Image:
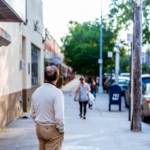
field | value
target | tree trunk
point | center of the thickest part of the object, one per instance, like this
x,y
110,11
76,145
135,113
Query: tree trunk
x,y
137,83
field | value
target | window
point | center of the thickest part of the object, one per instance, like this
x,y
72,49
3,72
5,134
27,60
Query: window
x,y
34,65
143,91
146,80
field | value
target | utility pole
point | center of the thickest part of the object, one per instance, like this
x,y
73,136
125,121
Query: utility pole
x,y
137,70
101,57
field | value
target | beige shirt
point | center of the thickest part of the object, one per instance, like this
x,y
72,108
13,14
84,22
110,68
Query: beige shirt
x,y
47,106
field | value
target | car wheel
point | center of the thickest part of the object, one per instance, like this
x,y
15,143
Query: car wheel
x,y
125,101
143,118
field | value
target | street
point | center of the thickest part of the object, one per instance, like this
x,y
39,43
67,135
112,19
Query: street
x,y
102,129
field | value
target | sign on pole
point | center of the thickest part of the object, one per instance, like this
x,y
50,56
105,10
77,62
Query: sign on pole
x,y
130,37
110,54
100,61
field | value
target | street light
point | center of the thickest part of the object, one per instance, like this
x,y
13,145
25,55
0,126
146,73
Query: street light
x,y
101,49
117,62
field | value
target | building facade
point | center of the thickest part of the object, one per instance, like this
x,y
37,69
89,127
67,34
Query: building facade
x,y
21,63
54,56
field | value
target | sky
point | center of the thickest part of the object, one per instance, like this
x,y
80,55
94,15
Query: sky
x,y
58,13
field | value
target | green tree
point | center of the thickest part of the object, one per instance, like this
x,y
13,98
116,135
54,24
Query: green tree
x,y
124,64
144,68
121,13
135,16
81,46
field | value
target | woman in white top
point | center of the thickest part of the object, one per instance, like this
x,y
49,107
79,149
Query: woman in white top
x,y
83,88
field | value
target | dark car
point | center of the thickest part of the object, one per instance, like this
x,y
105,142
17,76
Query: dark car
x,y
145,80
106,77
107,83
122,82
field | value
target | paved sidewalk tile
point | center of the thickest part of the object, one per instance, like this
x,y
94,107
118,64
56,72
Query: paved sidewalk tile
x,y
81,148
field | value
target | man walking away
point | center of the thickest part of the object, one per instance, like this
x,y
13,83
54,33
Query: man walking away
x,y
47,111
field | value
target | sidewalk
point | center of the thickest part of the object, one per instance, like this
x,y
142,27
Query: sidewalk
x,y
102,130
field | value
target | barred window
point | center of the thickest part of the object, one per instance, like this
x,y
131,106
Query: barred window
x,y
34,65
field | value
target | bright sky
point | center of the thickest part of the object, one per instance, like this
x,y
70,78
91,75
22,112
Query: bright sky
x,y
58,13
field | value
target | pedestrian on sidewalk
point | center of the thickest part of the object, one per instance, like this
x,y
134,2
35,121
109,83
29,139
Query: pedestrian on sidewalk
x,y
93,87
83,88
47,111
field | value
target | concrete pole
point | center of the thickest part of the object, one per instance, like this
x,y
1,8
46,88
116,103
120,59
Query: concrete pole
x,y
101,57
117,62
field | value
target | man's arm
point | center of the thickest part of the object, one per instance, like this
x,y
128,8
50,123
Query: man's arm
x,y
32,112
59,111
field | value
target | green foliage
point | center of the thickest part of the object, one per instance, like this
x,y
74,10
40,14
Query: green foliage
x,y
81,46
144,68
121,12
125,64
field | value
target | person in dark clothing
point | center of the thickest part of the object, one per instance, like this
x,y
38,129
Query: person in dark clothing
x,y
93,87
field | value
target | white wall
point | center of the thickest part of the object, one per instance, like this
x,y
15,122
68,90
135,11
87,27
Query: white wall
x,y
10,74
12,79
35,12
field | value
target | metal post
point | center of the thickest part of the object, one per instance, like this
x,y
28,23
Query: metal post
x,y
132,88
111,69
130,107
117,63
101,48
148,54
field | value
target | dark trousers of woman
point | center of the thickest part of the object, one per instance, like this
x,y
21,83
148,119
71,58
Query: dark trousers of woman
x,y
83,105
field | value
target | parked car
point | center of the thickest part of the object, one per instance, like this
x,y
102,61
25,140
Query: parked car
x,y
145,80
127,96
106,77
145,104
126,74
122,82
106,83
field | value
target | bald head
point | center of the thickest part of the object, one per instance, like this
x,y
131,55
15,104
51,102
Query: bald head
x,y
51,73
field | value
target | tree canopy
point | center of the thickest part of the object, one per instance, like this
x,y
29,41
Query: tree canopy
x,y
121,13
81,46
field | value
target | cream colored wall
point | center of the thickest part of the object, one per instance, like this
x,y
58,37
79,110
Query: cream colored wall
x,y
35,12
10,73
12,79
